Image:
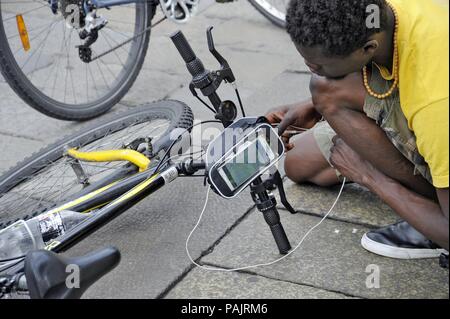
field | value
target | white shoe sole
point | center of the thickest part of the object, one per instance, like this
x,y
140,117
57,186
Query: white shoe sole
x,y
398,252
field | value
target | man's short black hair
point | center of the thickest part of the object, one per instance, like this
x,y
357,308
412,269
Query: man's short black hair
x,y
337,26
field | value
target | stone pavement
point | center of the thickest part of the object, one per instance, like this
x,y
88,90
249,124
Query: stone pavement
x,y
151,236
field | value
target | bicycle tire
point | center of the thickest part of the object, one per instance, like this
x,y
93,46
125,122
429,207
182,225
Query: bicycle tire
x,y
272,17
30,94
178,113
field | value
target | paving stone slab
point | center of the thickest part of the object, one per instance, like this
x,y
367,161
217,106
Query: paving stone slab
x,y
286,88
153,85
257,53
331,259
240,34
14,149
19,119
152,236
357,204
201,284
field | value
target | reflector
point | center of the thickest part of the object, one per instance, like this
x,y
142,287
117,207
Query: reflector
x,y
23,32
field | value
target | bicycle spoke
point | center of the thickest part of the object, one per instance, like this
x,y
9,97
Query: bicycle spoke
x,y
101,72
39,56
39,28
115,52
26,12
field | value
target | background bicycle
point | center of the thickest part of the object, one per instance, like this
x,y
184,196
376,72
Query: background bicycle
x,y
74,60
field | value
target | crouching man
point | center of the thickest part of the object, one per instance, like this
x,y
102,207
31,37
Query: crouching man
x,y
381,85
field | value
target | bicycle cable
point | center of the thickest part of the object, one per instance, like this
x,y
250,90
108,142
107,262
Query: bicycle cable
x,y
188,130
140,34
258,265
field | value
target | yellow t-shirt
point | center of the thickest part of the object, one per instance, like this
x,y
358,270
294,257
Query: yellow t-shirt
x,y
424,79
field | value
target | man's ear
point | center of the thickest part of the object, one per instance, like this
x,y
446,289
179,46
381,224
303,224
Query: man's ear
x,y
370,47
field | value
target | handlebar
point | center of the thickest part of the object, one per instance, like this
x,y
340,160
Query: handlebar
x,y
183,47
267,204
46,274
272,218
202,79
193,63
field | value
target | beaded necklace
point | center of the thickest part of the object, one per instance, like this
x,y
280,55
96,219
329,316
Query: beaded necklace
x,y
395,66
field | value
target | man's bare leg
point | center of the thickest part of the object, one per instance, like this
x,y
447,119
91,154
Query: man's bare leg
x,y
306,163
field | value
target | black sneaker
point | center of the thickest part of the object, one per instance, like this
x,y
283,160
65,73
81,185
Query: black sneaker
x,y
443,261
400,241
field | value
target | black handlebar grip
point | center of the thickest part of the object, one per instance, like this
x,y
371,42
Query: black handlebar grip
x,y
194,65
281,239
183,47
272,218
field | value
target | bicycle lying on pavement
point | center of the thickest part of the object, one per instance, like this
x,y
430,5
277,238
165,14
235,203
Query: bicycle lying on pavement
x,y
76,59
61,195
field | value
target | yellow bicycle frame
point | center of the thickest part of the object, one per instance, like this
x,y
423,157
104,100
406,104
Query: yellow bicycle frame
x,y
136,158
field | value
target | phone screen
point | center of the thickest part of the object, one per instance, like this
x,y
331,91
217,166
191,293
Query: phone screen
x,y
247,163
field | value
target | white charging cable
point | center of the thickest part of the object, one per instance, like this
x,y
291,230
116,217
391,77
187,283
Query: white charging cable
x,y
259,265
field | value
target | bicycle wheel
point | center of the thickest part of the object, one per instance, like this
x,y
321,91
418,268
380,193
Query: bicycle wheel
x,y
274,10
47,178
50,75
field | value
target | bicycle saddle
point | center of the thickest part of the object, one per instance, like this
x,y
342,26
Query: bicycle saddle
x,y
51,276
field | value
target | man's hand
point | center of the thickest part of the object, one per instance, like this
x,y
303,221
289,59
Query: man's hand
x,y
350,164
276,115
293,119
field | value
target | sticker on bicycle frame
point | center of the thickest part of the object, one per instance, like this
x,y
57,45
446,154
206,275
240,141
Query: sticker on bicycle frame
x,y
51,226
170,175
52,245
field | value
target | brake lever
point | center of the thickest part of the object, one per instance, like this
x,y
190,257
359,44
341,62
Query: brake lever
x,y
225,73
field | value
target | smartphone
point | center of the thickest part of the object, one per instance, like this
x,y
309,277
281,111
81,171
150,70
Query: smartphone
x,y
248,162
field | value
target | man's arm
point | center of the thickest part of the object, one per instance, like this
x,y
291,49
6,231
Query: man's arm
x,y
341,103
428,217
425,215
